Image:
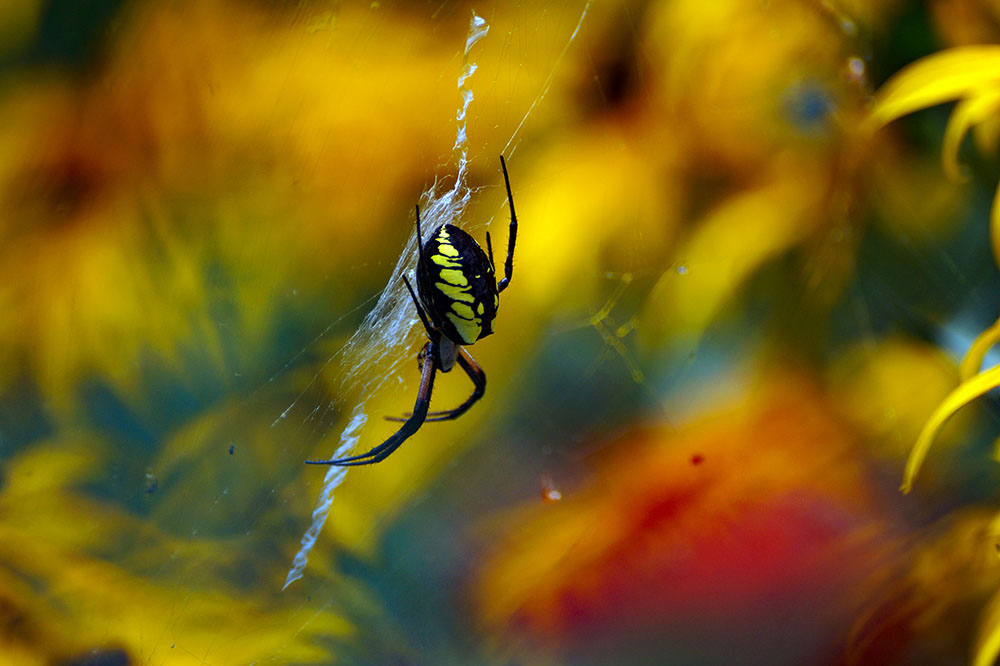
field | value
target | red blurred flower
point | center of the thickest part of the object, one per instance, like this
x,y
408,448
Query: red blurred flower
x,y
775,513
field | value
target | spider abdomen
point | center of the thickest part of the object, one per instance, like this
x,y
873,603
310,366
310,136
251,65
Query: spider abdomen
x,y
457,285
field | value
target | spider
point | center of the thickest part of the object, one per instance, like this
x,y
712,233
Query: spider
x,y
457,297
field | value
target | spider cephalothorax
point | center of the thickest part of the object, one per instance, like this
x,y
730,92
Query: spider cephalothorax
x,y
457,302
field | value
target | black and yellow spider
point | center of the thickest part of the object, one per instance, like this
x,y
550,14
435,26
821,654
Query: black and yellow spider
x,y
458,299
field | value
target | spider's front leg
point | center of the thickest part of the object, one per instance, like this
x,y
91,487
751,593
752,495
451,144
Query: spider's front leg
x,y
412,424
508,265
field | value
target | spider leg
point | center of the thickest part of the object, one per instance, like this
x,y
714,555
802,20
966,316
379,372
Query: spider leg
x,y
478,378
489,250
420,309
412,424
508,267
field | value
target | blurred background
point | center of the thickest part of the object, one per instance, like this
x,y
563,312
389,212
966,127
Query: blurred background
x,y
735,307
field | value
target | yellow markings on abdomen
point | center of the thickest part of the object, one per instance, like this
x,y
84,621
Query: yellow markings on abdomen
x,y
455,293
454,276
462,310
448,262
446,248
469,330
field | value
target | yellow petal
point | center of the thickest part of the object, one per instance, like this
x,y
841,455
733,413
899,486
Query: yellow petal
x,y
995,226
973,360
938,78
726,247
970,111
986,135
988,642
965,393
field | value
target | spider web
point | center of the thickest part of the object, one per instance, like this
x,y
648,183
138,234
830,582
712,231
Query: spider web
x,y
390,328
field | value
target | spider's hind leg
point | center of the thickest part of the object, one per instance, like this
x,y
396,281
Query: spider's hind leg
x,y
478,378
412,424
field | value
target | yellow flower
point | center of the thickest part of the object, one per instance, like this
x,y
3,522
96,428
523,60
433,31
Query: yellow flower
x,y
970,75
78,574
